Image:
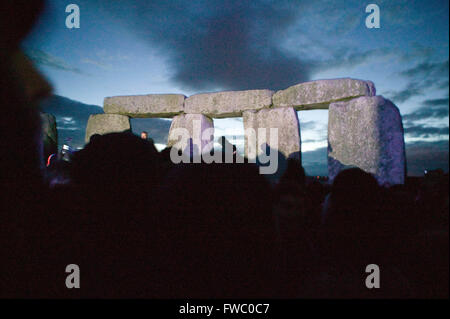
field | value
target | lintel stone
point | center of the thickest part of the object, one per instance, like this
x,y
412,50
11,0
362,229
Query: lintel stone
x,y
319,94
145,106
228,103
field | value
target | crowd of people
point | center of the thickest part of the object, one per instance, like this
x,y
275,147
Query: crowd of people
x,y
139,226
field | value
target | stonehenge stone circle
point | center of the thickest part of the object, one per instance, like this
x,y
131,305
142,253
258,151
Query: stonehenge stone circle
x,y
367,132
364,130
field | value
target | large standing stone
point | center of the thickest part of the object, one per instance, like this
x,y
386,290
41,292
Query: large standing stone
x,y
151,105
319,94
178,121
106,123
228,104
367,132
195,126
285,120
49,134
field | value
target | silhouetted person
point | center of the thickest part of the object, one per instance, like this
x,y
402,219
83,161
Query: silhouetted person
x,y
112,202
144,135
21,161
229,151
116,163
356,233
218,238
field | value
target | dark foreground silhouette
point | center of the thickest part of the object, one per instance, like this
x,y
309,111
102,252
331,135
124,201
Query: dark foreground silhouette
x,y
139,226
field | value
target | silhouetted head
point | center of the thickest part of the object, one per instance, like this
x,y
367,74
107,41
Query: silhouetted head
x,y
294,172
144,135
118,164
353,218
94,137
21,147
16,19
21,87
353,190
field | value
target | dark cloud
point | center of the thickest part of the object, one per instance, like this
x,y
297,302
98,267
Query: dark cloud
x,y
427,70
349,58
413,89
431,109
425,131
215,44
436,102
417,52
309,125
422,78
210,44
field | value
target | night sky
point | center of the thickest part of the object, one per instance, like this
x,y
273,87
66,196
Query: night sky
x,y
189,47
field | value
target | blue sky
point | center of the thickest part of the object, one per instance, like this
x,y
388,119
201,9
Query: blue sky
x,y
188,47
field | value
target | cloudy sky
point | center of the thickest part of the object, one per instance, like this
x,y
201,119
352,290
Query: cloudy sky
x,y
188,47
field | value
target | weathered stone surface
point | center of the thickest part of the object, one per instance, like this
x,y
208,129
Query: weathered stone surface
x,y
319,94
367,132
49,134
178,121
285,120
196,125
151,105
250,119
106,123
372,89
228,104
